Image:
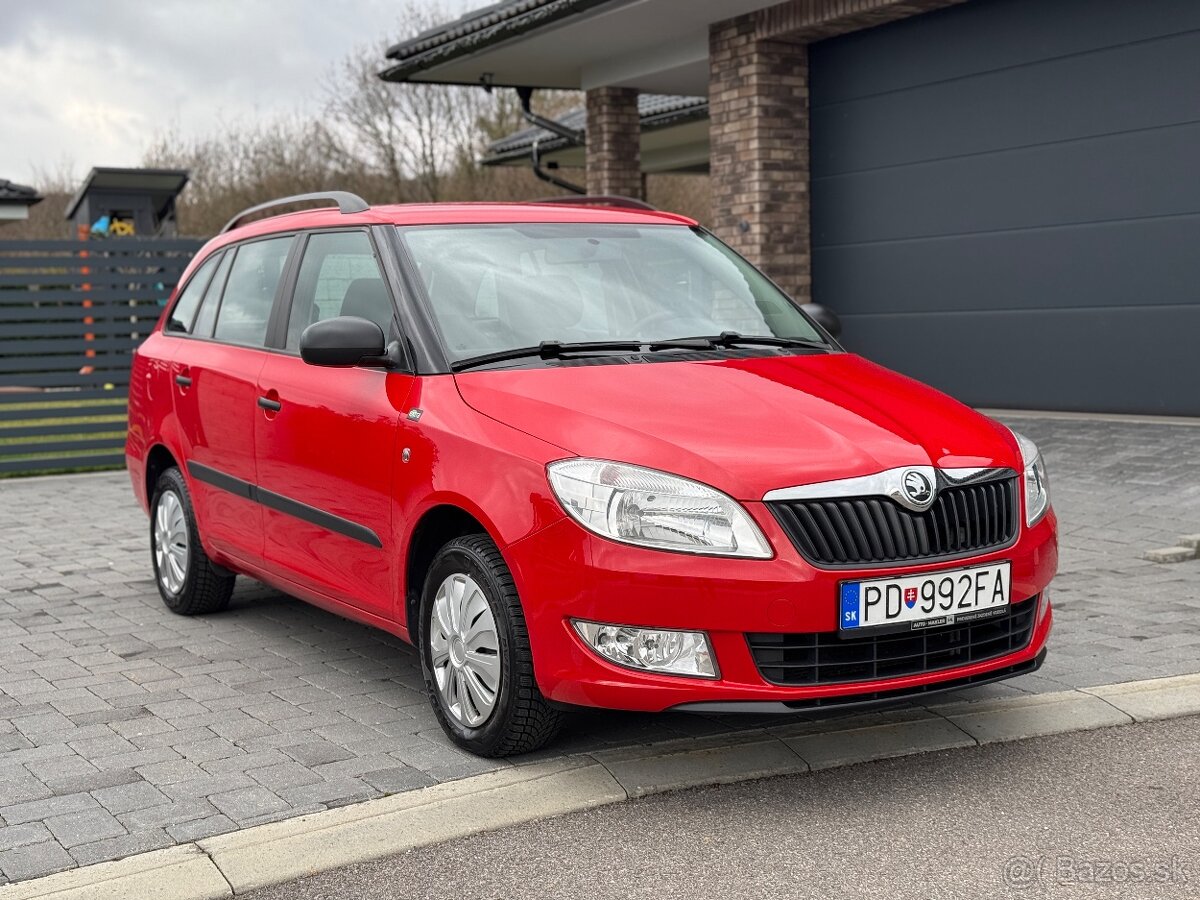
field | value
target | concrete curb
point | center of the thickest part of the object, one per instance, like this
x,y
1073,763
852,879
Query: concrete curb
x,y
241,861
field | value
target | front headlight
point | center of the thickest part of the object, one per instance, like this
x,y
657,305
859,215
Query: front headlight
x,y
1037,488
653,509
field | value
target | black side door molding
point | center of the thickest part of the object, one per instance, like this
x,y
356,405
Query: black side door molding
x,y
285,505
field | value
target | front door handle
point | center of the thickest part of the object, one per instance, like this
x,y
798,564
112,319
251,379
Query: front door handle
x,y
269,404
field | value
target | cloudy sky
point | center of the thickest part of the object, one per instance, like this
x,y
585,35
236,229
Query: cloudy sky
x,y
91,82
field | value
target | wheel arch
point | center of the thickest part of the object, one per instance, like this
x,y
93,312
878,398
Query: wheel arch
x,y
437,526
158,460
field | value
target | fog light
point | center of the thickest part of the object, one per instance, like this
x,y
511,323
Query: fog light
x,y
650,649
1043,605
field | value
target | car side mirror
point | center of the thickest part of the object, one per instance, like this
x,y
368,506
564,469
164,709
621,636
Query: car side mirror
x,y
823,316
342,341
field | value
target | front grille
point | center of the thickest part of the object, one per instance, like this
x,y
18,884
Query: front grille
x,y
824,657
855,531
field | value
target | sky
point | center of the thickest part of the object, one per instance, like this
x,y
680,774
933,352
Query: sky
x,y
92,82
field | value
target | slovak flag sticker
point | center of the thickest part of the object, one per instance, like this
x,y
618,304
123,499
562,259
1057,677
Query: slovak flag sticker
x,y
910,597
850,606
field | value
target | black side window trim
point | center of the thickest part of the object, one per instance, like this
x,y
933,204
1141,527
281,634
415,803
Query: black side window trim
x,y
231,255
281,308
267,343
429,358
214,257
231,251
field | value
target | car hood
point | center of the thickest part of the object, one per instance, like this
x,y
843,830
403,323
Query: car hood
x,y
745,426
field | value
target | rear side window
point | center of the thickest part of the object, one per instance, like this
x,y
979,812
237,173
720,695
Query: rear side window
x,y
250,291
184,312
212,299
338,277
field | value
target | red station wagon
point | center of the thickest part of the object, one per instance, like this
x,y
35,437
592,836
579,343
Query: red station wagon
x,y
579,456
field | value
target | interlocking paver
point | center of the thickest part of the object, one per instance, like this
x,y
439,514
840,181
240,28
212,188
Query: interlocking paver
x,y
84,827
248,803
165,814
201,828
42,810
128,797
20,835
32,860
122,845
149,728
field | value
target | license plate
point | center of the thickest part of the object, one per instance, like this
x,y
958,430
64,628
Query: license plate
x,y
928,600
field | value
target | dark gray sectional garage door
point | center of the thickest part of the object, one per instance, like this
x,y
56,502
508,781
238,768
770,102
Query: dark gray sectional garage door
x,y
1006,200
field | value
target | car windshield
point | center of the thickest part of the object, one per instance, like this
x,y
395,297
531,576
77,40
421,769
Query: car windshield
x,y
494,288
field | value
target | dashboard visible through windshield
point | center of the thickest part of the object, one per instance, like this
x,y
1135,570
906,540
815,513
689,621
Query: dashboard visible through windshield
x,y
495,288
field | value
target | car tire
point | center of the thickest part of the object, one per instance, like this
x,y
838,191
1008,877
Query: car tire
x,y
189,583
475,653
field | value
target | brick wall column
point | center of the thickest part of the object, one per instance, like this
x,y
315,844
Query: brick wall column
x,y
614,135
758,113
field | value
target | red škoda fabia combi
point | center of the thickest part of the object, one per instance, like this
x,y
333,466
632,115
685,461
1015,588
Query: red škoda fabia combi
x,y
578,456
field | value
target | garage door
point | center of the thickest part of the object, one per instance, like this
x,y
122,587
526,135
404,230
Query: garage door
x,y
1006,200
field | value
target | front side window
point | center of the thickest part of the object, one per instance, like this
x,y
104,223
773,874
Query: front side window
x,y
501,287
339,276
250,291
184,312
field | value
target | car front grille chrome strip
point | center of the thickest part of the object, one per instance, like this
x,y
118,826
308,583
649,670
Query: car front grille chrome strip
x,y
889,483
910,514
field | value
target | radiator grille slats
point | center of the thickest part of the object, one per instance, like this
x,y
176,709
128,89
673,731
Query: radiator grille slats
x,y
825,658
855,531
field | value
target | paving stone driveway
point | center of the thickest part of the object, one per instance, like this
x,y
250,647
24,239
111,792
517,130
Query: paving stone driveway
x,y
124,728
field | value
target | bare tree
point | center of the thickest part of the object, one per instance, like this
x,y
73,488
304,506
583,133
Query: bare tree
x,y
413,134
387,142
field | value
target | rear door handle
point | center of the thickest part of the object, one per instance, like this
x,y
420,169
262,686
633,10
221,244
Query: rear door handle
x,y
268,403
183,380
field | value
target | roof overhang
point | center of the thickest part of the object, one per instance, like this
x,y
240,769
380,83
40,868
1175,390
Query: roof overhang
x,y
674,138
572,44
163,184
15,200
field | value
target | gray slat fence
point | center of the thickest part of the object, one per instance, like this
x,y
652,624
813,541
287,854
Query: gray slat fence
x,y
71,313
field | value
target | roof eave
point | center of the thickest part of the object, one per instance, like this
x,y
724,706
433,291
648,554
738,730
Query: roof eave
x,y
422,57
73,203
550,145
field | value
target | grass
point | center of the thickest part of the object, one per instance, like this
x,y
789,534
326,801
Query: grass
x,y
57,446
63,404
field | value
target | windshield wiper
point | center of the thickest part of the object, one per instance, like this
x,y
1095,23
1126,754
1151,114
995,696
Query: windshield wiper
x,y
547,350
734,339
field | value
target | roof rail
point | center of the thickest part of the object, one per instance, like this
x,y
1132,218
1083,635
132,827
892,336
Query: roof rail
x,y
346,203
615,200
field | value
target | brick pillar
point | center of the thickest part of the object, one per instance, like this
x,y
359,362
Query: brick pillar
x,y
758,113
614,135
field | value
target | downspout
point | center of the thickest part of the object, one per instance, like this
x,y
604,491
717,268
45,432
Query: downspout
x,y
525,94
553,179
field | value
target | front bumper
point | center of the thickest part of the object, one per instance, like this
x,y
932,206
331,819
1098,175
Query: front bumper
x,y
564,572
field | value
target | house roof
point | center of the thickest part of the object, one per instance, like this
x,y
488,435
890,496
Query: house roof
x,y
475,30
649,45
162,183
13,193
655,110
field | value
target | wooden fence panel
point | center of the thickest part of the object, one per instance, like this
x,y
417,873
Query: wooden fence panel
x,y
71,314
